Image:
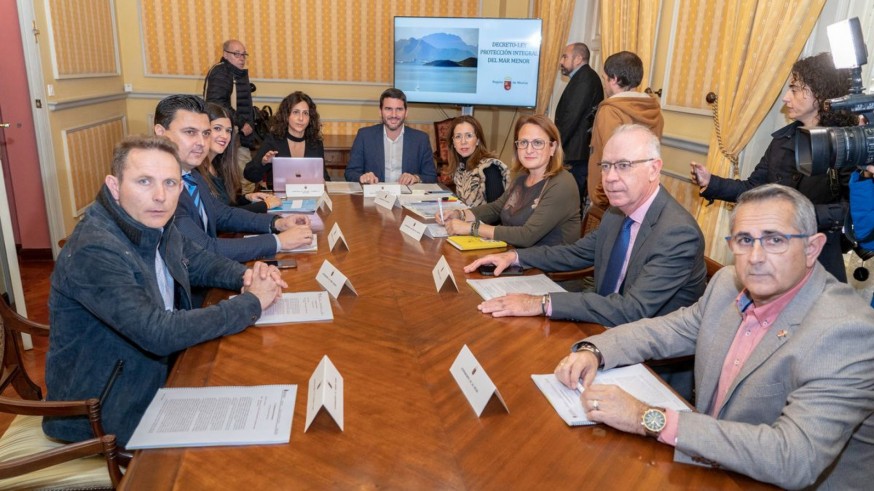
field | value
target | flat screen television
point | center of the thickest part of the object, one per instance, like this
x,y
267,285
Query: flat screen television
x,y
467,61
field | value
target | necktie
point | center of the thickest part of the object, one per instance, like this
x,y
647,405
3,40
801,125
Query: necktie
x,y
191,186
617,257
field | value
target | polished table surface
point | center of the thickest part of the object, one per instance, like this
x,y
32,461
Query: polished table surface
x,y
407,424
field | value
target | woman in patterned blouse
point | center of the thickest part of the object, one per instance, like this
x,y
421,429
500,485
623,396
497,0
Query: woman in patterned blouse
x,y
479,177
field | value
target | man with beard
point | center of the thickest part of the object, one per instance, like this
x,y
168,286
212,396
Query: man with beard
x,y
391,152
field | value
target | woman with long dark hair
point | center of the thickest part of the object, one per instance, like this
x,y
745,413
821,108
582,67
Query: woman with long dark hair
x,y
220,166
478,175
295,131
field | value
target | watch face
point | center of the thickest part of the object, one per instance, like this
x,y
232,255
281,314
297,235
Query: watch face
x,y
654,420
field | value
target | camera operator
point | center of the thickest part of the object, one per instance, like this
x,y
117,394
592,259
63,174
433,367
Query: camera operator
x,y
862,213
813,81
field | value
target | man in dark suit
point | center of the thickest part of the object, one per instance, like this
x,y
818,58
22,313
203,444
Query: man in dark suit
x,y
783,359
576,111
659,269
391,152
200,217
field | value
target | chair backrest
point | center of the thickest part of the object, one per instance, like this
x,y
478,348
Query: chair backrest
x,y
591,220
13,372
441,137
712,267
27,449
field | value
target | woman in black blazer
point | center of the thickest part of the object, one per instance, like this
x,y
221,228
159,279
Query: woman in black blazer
x,y
295,131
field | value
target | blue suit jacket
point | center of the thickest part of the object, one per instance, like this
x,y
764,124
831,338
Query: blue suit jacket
x,y
224,218
368,155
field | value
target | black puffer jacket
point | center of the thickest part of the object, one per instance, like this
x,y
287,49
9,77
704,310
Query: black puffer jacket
x,y
218,87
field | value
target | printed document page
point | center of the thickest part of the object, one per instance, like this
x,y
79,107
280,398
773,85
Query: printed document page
x,y
538,284
210,416
298,307
637,380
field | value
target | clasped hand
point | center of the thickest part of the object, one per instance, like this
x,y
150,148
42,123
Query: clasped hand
x,y
265,282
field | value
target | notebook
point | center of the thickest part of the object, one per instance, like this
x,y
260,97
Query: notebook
x,y
471,243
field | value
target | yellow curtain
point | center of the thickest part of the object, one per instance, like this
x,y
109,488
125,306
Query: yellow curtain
x,y
762,39
630,25
556,16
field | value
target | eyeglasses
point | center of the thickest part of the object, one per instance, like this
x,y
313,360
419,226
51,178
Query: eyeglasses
x,y
620,165
536,144
238,54
465,136
773,243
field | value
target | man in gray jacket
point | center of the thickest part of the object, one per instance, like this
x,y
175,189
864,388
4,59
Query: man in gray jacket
x,y
784,357
659,269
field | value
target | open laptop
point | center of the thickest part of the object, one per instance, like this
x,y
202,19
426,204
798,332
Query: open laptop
x,y
291,170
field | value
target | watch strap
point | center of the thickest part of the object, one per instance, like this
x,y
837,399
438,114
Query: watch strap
x,y
591,348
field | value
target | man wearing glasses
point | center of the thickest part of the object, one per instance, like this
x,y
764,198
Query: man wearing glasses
x,y
783,359
227,84
647,252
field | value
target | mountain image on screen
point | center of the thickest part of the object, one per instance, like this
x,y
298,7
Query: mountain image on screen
x,y
436,61
439,49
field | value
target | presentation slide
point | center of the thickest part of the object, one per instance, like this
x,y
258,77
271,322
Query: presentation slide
x,y
465,61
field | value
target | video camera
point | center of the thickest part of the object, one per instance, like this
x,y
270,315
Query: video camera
x,y
819,149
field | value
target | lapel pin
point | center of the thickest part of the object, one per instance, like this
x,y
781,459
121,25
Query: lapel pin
x,y
781,333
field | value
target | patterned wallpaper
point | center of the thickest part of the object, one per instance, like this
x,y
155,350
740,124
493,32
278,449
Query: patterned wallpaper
x,y
694,67
89,153
83,38
323,40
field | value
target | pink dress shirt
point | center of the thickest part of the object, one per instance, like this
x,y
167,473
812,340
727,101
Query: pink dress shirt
x,y
755,324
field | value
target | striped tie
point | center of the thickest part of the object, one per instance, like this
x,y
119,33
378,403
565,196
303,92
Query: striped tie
x,y
191,186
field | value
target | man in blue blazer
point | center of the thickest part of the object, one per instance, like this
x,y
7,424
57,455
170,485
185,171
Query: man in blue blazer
x,y
391,152
784,357
184,120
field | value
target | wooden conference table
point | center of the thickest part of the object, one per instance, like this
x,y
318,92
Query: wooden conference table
x,y
407,424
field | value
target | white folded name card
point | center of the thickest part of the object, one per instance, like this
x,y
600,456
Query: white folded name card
x,y
333,280
441,272
325,391
473,381
305,190
386,200
371,190
413,228
335,236
326,201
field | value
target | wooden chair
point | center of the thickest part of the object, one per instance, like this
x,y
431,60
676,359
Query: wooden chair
x,y
28,458
442,140
590,222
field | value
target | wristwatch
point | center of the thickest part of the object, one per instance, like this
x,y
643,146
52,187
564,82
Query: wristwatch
x,y
591,348
654,421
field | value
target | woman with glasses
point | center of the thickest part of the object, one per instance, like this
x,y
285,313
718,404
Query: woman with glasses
x,y
479,177
813,81
220,166
542,204
295,131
